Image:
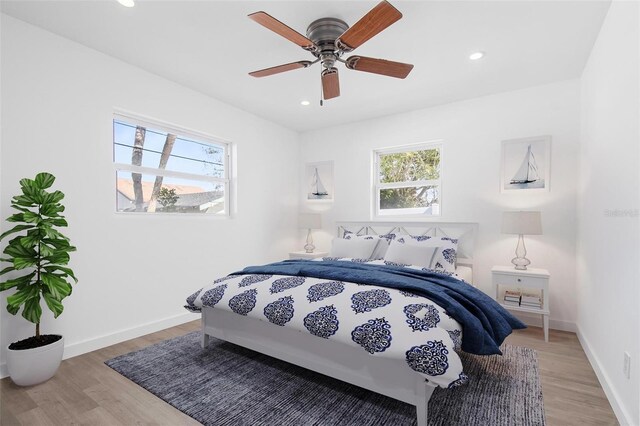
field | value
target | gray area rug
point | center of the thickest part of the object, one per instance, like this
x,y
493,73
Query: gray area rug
x,y
229,385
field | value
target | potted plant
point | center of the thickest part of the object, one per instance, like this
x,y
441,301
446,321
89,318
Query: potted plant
x,y
38,256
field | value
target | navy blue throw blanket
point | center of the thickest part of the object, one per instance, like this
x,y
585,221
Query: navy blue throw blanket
x,y
485,324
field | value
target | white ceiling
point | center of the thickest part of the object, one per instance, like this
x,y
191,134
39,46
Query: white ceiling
x,y
210,46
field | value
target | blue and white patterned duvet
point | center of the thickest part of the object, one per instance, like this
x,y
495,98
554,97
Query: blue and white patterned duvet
x,y
382,322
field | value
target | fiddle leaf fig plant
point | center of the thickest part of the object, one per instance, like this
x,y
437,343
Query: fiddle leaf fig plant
x,y
39,252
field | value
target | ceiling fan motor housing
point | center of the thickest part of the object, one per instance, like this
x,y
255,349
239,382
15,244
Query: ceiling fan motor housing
x,y
324,32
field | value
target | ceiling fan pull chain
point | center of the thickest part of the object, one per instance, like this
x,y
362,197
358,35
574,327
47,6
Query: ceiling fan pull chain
x,y
321,89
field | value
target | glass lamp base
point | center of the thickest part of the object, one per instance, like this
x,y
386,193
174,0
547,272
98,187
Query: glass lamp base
x,y
521,263
309,247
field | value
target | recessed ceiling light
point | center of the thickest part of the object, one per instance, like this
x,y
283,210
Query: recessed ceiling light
x,y
305,103
476,55
127,3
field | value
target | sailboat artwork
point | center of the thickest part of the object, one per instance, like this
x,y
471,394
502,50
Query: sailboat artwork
x,y
317,188
526,163
528,171
320,178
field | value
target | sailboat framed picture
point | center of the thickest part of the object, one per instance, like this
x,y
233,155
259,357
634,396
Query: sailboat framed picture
x,y
319,181
526,164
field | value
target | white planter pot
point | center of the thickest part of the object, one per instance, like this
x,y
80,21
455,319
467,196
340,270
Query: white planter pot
x,y
29,367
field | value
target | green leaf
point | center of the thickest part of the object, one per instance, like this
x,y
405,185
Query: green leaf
x,y
13,309
32,191
32,310
44,180
23,200
64,270
23,262
60,258
57,243
53,197
18,217
29,241
30,217
51,210
54,305
57,286
15,229
26,279
14,248
21,296
52,233
17,207
58,221
27,183
7,269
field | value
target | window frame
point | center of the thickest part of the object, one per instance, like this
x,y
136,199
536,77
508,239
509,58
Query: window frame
x,y
181,132
377,185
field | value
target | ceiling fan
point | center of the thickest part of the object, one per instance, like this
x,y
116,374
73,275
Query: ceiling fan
x,y
329,38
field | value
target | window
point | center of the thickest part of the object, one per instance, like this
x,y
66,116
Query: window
x,y
407,180
163,169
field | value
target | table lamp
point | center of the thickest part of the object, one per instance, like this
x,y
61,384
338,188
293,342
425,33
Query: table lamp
x,y
309,221
521,223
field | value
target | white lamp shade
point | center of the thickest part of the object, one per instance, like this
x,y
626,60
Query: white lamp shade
x,y
525,223
309,221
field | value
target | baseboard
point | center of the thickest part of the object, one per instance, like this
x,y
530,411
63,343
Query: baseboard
x,y
623,416
536,321
100,342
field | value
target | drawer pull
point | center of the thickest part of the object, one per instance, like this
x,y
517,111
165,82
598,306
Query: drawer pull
x,y
519,280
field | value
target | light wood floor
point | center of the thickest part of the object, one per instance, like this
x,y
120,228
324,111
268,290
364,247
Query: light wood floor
x,y
85,391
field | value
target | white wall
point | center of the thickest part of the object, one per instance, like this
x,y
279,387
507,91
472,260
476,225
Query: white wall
x,y
134,271
609,241
472,132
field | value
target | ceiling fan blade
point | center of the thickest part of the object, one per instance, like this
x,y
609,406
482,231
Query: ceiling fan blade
x,y
379,66
330,83
285,31
378,18
280,68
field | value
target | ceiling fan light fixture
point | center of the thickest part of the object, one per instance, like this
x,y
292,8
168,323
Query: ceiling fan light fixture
x,y
127,3
476,55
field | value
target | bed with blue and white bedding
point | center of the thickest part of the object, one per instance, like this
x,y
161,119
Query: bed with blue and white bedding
x,y
418,315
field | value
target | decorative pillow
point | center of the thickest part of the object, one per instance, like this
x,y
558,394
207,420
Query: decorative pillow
x,y
382,246
445,255
410,253
356,248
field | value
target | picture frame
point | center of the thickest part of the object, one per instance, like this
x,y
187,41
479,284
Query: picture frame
x,y
526,165
319,181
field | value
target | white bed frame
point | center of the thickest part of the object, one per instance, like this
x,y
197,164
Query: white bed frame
x,y
389,377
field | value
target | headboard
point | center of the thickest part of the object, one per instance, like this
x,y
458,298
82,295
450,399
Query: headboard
x,y
465,232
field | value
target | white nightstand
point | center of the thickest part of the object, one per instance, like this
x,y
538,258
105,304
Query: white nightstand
x,y
507,277
305,255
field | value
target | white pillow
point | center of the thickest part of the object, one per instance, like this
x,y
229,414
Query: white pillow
x,y
356,248
381,247
445,256
410,253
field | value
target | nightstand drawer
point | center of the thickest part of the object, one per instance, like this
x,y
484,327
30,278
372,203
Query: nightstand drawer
x,y
520,281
